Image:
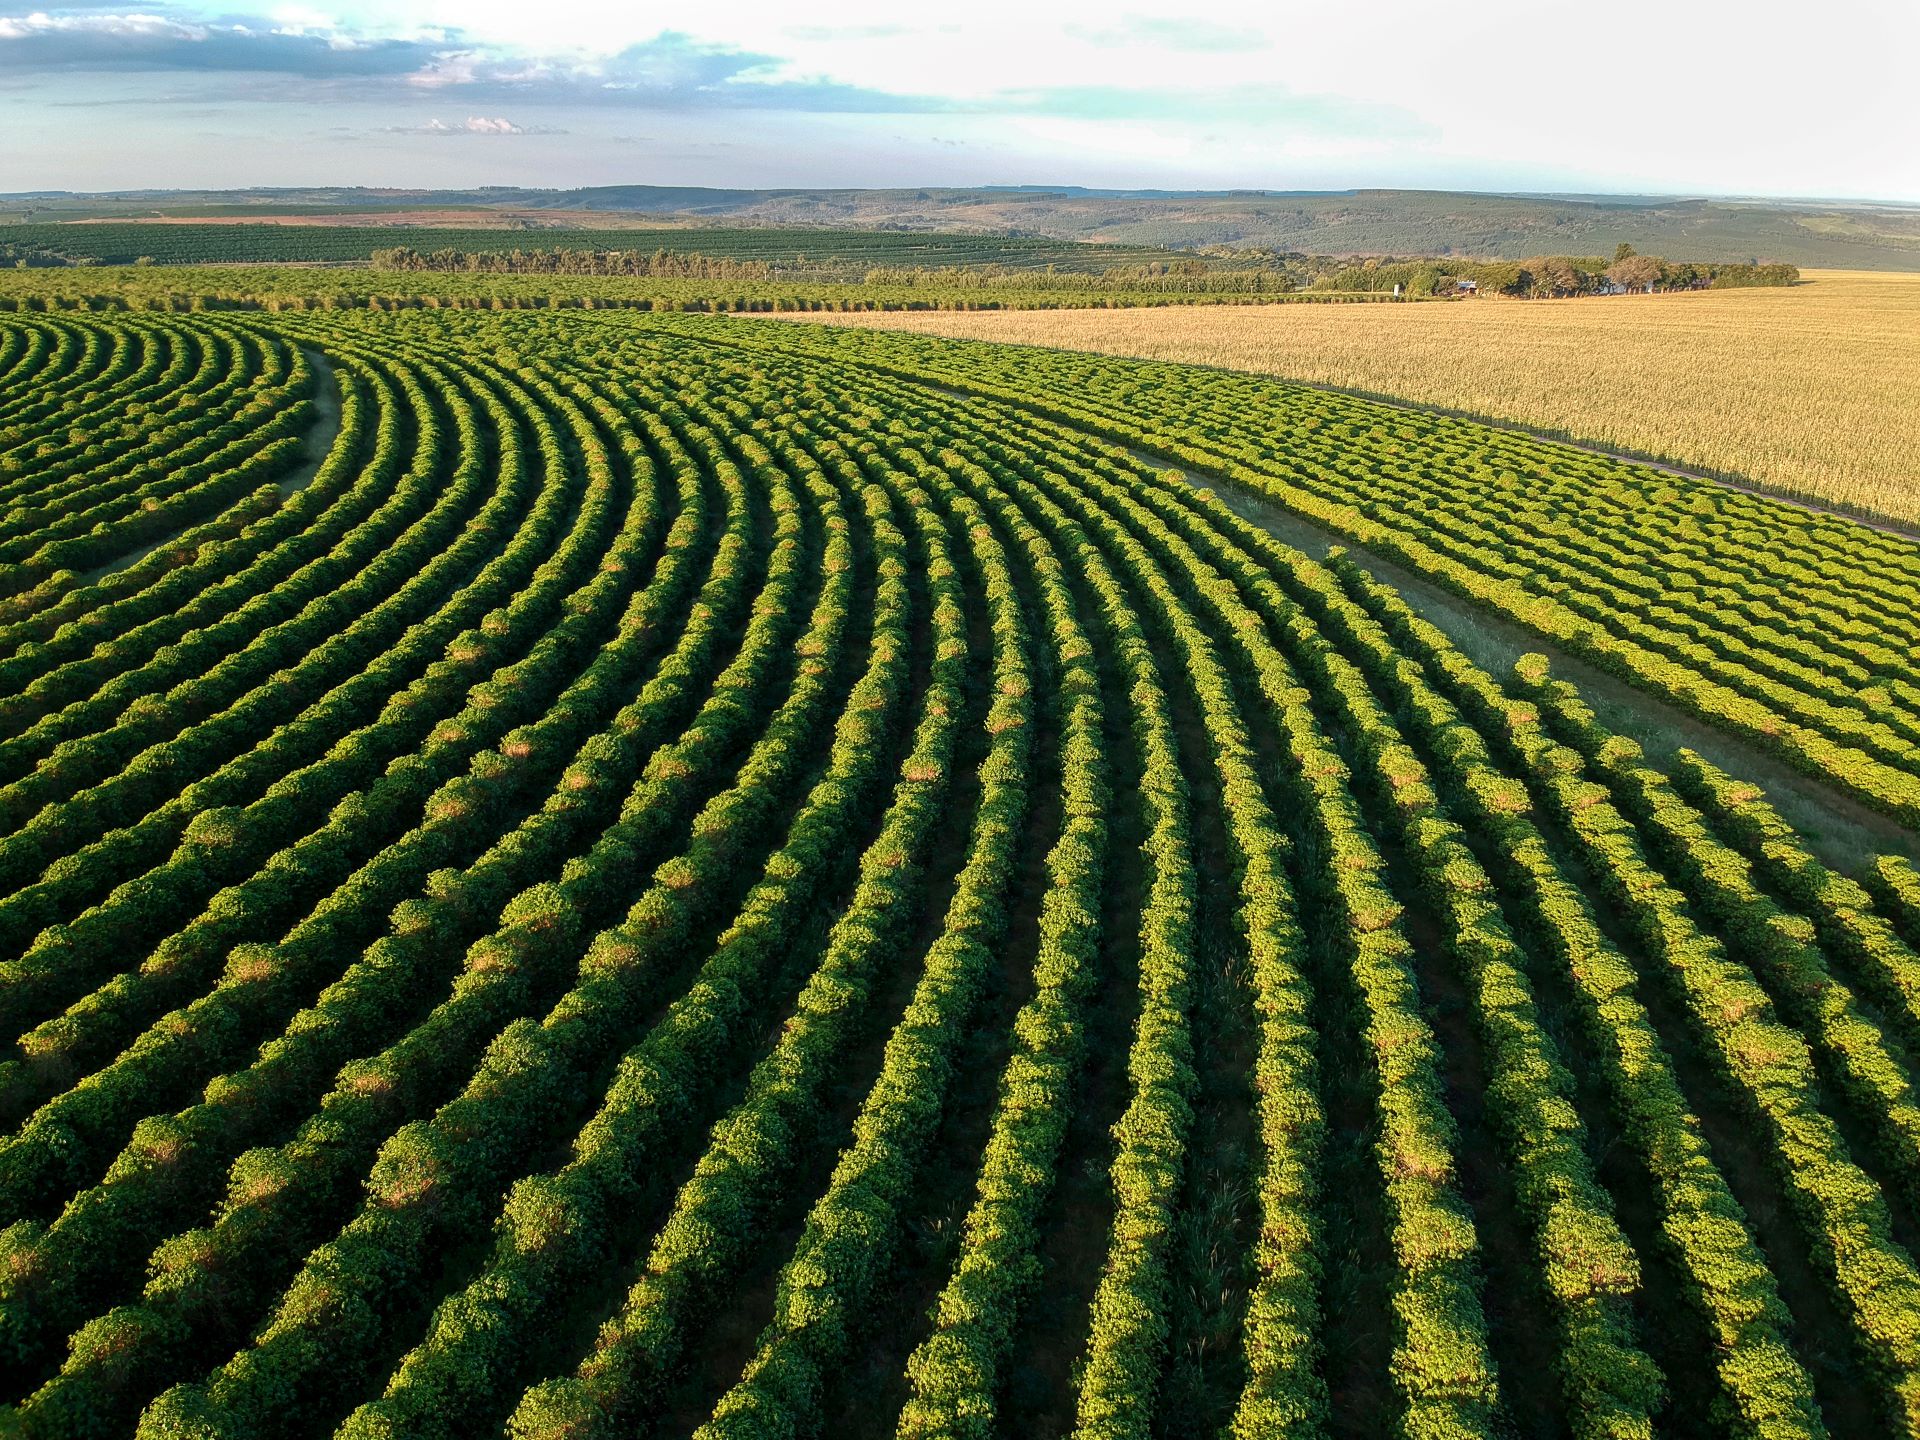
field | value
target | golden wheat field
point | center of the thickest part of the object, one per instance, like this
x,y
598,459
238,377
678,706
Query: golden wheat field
x,y
1809,390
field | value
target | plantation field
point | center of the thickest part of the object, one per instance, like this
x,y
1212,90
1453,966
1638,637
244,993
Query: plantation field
x,y
185,243
576,874
1803,390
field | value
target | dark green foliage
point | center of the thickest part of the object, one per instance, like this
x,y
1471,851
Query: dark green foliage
x,y
494,935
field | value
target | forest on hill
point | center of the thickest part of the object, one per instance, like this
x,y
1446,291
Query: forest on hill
x,y
1837,234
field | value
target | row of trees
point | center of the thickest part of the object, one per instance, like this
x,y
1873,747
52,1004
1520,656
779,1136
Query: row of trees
x,y
1554,276
1542,276
1214,270
561,260
39,257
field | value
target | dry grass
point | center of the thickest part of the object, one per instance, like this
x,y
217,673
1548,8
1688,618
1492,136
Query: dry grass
x,y
1809,390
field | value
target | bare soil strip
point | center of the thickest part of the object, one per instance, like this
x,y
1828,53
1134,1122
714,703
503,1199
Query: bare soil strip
x,y
320,439
326,424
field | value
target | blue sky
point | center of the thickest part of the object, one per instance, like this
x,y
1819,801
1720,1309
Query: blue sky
x,y
1697,96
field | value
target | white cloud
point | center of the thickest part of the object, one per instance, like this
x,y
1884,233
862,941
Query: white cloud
x,y
121,27
472,125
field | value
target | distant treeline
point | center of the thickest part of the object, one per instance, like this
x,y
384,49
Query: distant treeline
x,y
1186,277
1542,276
1553,276
964,269
560,260
1174,276
786,251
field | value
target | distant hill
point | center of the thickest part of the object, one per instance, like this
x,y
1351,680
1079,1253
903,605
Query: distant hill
x,y
1832,233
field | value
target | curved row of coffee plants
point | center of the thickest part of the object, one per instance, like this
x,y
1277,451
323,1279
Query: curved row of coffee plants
x,y
691,878
1795,629
114,438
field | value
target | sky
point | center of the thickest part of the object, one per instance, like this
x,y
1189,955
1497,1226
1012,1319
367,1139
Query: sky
x,y
1692,97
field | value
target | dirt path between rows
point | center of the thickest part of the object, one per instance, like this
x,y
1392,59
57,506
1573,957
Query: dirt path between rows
x,y
319,441
326,424
1842,830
